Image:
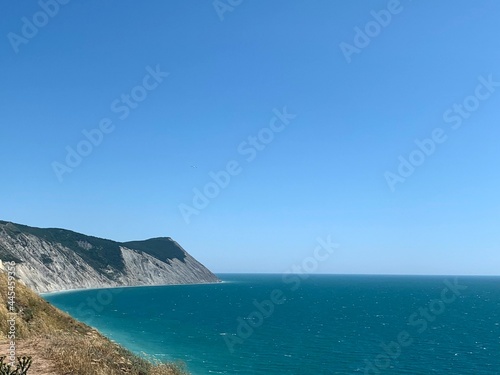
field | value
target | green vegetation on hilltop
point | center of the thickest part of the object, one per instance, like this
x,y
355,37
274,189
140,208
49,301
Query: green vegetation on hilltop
x,y
100,254
163,248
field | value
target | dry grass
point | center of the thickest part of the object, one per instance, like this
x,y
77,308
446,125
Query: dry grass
x,y
66,346
97,355
35,316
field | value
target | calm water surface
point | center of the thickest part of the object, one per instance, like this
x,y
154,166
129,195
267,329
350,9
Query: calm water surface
x,y
267,324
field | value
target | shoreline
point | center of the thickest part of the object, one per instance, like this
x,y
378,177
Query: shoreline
x,y
64,291
269,273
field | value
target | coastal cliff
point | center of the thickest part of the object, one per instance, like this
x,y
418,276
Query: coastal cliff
x,y
49,260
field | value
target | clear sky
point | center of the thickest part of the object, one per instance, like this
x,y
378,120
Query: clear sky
x,y
429,70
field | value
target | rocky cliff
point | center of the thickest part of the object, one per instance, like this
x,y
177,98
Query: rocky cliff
x,y
50,260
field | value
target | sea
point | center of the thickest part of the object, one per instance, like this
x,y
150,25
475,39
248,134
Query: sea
x,y
263,324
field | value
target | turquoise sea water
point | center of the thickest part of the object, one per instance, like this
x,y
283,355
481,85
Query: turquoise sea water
x,y
269,324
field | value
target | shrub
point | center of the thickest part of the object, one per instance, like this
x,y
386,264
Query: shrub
x,y
22,366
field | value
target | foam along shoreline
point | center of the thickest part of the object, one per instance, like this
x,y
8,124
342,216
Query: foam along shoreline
x,y
65,291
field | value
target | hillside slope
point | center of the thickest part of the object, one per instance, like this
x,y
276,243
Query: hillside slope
x,y
60,345
57,259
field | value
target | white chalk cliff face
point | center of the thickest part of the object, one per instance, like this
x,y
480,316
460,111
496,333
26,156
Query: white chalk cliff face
x,y
50,260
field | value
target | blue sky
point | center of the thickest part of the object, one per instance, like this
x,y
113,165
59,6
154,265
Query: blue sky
x,y
324,175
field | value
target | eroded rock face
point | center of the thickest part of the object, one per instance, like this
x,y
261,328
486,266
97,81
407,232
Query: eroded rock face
x,y
50,260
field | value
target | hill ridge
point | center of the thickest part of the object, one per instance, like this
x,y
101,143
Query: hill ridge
x,y
52,259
